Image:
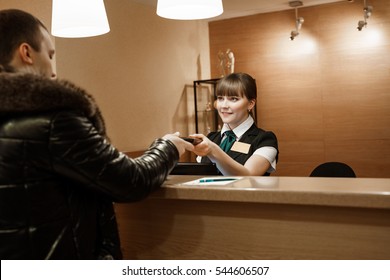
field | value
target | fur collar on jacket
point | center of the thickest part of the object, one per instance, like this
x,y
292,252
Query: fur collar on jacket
x,y
27,93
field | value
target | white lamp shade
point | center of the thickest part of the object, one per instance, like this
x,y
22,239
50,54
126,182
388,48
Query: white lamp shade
x,y
79,18
189,9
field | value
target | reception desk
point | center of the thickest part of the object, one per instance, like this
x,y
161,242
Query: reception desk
x,y
260,218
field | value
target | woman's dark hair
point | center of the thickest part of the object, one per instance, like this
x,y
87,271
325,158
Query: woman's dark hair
x,y
237,84
17,27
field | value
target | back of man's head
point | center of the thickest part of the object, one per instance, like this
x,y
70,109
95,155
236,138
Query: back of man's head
x,y
17,27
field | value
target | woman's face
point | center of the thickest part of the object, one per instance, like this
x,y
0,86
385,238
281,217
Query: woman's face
x,y
233,110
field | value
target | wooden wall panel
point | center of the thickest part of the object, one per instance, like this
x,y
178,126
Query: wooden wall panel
x,y
326,94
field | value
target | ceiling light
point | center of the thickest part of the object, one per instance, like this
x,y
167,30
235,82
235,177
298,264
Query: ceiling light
x,y
367,12
79,18
189,9
361,24
298,20
293,35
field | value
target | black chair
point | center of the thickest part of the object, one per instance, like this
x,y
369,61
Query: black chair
x,y
333,169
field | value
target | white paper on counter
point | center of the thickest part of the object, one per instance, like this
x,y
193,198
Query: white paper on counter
x,y
212,181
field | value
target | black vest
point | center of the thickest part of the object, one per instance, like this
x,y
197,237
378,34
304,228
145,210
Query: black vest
x,y
254,136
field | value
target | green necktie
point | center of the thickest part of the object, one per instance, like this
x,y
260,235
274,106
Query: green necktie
x,y
227,143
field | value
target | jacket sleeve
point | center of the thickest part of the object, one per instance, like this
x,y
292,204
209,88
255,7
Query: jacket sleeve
x,y
81,154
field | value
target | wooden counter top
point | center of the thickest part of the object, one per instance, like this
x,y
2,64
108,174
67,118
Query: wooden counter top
x,y
344,192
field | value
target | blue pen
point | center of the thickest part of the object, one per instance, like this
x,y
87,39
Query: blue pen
x,y
216,180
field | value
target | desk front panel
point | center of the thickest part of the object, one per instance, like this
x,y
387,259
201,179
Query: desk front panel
x,y
160,228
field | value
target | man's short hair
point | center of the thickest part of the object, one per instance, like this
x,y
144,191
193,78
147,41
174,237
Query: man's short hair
x,y
17,27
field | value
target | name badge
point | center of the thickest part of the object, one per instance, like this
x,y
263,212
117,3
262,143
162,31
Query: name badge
x,y
241,147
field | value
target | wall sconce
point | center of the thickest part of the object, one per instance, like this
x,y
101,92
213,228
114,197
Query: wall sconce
x,y
298,20
189,9
367,12
79,18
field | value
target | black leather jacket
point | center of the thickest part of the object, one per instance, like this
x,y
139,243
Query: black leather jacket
x,y
59,174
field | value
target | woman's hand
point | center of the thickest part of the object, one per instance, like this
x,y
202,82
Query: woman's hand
x,y
205,147
254,166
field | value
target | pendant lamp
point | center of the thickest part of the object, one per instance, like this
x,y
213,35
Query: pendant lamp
x,y
189,9
79,18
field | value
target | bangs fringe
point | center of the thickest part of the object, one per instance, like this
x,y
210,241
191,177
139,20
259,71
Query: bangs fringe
x,y
230,88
